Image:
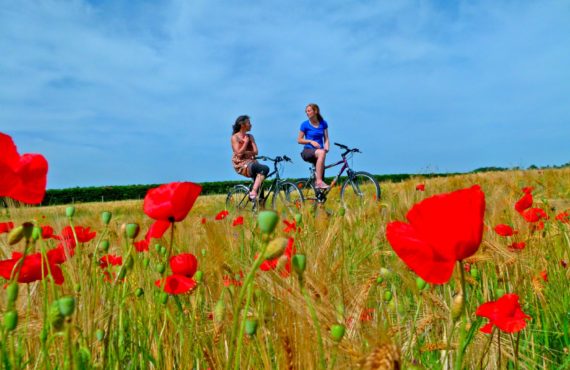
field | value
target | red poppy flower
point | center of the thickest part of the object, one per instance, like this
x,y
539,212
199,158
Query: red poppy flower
x,y
34,267
23,177
6,227
563,217
236,281
505,313
537,226
289,226
110,260
524,203
505,230
442,229
203,221
59,254
517,246
221,215
176,284
238,221
183,268
421,187
288,254
367,314
171,202
534,215
544,275
47,232
84,234
155,231
563,263
527,189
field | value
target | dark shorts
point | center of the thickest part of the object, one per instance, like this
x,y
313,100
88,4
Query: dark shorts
x,y
309,155
256,168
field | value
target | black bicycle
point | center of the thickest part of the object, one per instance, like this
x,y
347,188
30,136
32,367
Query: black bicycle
x,y
285,196
359,187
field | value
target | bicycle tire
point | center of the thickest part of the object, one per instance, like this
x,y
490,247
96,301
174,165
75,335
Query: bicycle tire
x,y
287,198
238,198
362,189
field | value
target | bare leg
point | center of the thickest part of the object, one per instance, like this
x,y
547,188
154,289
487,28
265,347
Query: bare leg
x,y
320,167
258,180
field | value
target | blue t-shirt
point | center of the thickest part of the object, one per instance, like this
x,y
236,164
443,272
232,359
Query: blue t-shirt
x,y
314,133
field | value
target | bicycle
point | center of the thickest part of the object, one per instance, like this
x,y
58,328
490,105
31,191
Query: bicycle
x,y
285,196
360,187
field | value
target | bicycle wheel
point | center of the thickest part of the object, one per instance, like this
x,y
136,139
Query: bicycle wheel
x,y
238,198
360,190
287,198
307,188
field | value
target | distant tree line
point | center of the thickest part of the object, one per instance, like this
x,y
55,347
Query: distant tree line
x,y
128,192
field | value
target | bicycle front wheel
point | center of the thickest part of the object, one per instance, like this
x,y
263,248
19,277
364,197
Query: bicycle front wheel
x,y
287,198
361,189
238,198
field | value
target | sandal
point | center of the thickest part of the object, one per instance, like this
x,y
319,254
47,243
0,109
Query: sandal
x,y
252,196
322,186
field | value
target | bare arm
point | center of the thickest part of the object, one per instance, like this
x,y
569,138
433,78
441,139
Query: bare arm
x,y
301,140
254,145
239,148
326,142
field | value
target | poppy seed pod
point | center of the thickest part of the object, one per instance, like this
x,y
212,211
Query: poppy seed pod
x,y
251,326
10,320
337,332
36,233
276,248
298,219
70,211
457,306
163,298
55,318
66,305
198,276
420,283
15,235
132,230
160,268
139,292
106,217
475,273
12,292
267,221
99,334
387,295
105,246
499,292
299,262
28,229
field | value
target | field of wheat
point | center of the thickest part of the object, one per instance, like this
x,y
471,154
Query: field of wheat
x,y
323,288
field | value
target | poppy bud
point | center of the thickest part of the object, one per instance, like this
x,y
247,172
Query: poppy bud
x,y
387,295
198,276
337,332
10,320
163,298
379,280
160,268
298,219
420,283
499,293
105,246
70,211
267,221
157,248
28,229
203,251
299,262
475,273
250,327
163,251
139,292
15,235
106,217
66,305
341,211
457,306
219,310
132,230
77,288
55,318
99,334
37,233
276,248
12,292
146,261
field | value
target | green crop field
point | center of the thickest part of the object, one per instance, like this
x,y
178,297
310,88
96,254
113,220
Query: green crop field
x,y
338,297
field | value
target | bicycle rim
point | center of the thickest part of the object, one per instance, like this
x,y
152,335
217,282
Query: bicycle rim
x,y
360,191
238,199
287,199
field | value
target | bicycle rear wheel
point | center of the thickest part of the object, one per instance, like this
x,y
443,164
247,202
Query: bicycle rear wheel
x,y
360,190
287,198
238,199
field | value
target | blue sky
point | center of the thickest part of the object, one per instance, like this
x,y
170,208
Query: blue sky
x,y
135,92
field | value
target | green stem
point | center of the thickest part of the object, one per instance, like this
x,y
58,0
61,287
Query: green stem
x,y
462,345
486,349
315,319
517,351
242,327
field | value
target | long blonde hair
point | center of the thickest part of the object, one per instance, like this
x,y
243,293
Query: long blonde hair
x,y
316,109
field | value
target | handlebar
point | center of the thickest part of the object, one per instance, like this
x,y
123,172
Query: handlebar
x,y
347,149
277,159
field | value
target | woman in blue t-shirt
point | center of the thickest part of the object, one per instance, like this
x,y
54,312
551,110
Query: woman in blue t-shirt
x,y
314,135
